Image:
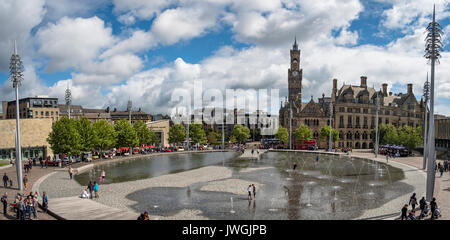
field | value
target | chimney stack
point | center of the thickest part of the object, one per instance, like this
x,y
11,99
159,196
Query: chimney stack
x,y
385,89
410,88
363,81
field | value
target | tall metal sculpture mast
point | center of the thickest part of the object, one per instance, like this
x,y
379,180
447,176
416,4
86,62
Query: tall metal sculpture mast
x,y
433,47
376,128
68,98
426,95
129,105
331,114
16,76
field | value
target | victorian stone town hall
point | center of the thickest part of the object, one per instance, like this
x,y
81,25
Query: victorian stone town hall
x,y
354,109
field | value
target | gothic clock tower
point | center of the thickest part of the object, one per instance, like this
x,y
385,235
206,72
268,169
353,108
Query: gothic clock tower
x,y
295,79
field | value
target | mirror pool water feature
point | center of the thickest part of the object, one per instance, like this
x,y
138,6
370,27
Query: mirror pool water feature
x,y
335,187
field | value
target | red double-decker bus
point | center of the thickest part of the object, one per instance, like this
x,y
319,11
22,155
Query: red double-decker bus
x,y
310,144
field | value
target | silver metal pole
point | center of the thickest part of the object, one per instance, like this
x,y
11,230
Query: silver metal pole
x,y
330,141
425,136
223,134
431,153
376,126
290,125
18,148
187,135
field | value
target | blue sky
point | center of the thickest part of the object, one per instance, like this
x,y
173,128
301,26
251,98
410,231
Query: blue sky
x,y
112,50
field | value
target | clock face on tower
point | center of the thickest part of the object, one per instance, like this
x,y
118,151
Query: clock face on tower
x,y
295,73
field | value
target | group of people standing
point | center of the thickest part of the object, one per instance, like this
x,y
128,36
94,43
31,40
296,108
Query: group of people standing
x,y
425,209
25,206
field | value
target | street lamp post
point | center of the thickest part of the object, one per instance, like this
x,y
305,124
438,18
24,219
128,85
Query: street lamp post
x,y
16,76
68,99
426,94
290,125
432,53
331,114
376,126
129,106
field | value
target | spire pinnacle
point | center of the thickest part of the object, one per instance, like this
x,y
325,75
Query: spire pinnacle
x,y
295,46
434,12
15,48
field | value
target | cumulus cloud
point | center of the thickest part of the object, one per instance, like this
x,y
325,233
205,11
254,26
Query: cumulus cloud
x,y
18,17
72,42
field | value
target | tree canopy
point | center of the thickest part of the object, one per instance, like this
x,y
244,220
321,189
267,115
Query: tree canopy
x,y
177,134
303,133
325,134
126,135
282,134
145,135
407,136
64,137
197,134
241,133
87,134
105,133
214,137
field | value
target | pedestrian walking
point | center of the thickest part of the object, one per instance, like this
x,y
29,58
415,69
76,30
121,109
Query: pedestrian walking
x,y
387,158
95,189
25,181
10,183
103,176
90,188
5,180
294,165
422,205
317,159
404,211
70,172
249,189
45,201
413,201
4,201
433,206
441,170
254,191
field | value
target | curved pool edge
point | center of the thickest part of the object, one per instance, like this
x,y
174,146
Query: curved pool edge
x,y
390,210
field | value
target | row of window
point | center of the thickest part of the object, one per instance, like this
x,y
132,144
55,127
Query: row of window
x,y
382,112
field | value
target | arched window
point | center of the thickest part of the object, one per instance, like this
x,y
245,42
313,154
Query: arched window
x,y
341,135
357,135
349,135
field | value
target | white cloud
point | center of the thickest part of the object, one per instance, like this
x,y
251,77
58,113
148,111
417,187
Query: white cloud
x,y
18,17
178,24
137,42
73,42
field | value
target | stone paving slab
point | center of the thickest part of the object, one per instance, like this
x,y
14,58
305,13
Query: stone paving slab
x,y
87,209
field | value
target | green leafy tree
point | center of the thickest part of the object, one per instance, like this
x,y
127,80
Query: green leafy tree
x,y
106,135
303,133
391,137
241,133
86,131
197,134
325,134
410,137
233,139
64,137
382,130
177,134
145,135
282,134
126,135
214,137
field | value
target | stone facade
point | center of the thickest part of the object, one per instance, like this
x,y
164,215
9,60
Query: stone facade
x,y
162,127
33,137
42,107
353,110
